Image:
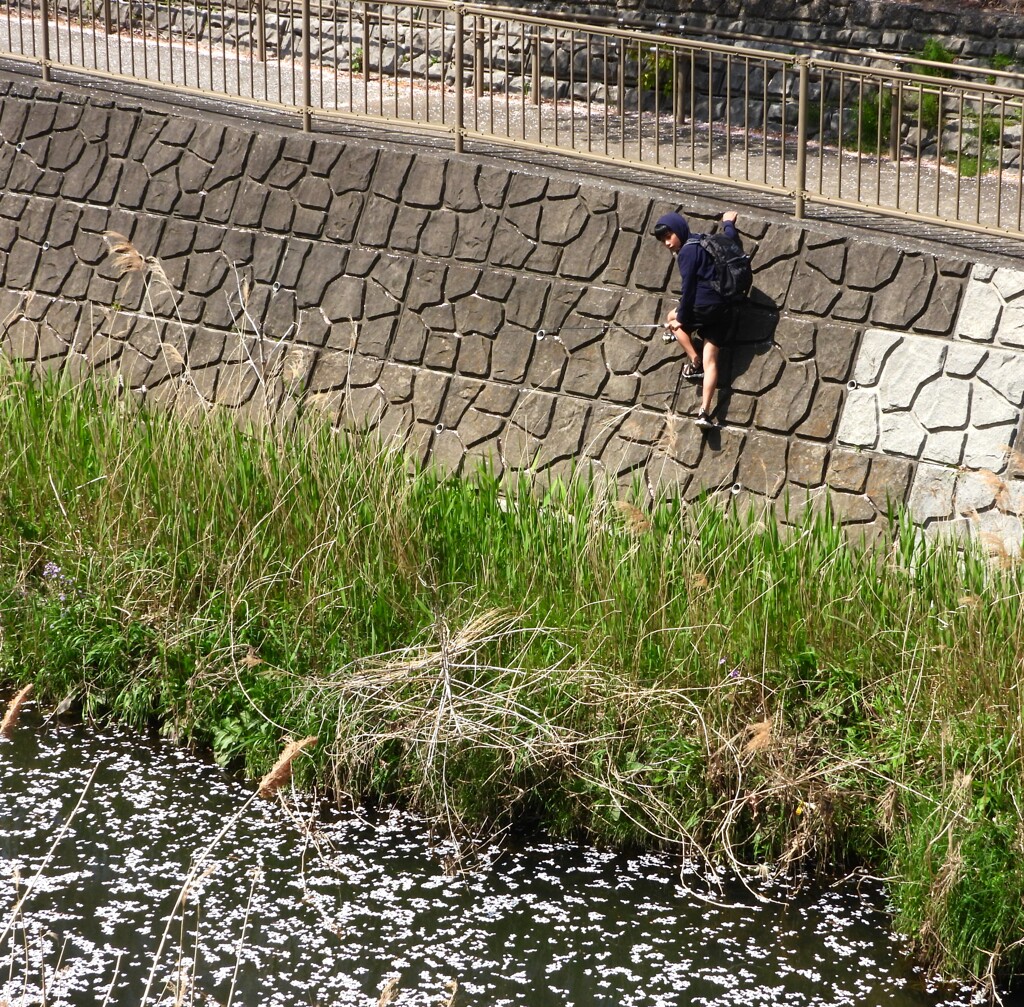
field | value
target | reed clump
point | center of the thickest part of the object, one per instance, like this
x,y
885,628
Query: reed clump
x,y
644,675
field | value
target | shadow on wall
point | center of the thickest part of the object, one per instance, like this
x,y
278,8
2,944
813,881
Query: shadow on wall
x,y
753,334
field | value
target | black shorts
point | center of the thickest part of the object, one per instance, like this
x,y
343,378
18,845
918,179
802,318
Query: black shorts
x,y
714,324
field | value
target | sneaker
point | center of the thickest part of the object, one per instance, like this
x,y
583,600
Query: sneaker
x,y
705,421
693,372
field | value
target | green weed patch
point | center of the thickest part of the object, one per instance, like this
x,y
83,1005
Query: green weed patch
x,y
687,677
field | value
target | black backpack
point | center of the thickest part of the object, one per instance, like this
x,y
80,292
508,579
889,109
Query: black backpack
x,y
733,275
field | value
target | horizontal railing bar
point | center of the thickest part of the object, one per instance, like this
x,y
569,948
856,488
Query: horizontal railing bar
x,y
628,162
947,82
950,72
648,23
888,211
72,75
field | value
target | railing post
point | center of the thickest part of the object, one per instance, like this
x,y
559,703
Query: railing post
x,y
621,83
108,25
682,86
459,59
896,120
307,69
801,138
536,64
261,30
478,57
366,42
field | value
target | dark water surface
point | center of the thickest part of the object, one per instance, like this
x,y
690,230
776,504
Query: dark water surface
x,y
288,910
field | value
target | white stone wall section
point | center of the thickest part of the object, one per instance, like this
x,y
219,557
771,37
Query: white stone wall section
x,y
993,307
956,406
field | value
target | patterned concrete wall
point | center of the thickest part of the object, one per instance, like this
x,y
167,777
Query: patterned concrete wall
x,y
479,310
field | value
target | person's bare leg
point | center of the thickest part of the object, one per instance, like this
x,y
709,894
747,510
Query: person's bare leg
x,y
710,375
684,340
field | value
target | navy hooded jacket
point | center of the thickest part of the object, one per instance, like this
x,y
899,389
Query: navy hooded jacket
x,y
696,270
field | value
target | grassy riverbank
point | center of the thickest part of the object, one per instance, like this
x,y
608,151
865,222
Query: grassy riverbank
x,y
639,676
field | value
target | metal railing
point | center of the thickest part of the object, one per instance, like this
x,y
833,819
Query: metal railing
x,y
903,136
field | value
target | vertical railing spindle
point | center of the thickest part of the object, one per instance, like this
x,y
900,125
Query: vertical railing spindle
x,y
307,70
45,52
478,57
459,68
801,138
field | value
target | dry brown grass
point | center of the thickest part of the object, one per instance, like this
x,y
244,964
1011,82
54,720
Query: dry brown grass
x,y
760,736
125,257
1000,490
632,516
10,720
389,994
281,772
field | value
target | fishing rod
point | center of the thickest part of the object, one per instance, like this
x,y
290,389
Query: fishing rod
x,y
666,335
554,333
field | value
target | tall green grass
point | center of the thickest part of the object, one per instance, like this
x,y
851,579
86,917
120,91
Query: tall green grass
x,y
639,675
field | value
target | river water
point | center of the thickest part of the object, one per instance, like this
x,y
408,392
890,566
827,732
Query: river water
x,y
102,831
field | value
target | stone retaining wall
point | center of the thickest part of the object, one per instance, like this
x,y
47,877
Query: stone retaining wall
x,y
480,310
973,34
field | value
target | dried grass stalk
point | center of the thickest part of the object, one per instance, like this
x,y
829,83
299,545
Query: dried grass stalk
x,y
1000,490
173,354
633,517
294,366
13,711
389,994
997,549
887,807
126,257
948,875
760,736
281,772
162,283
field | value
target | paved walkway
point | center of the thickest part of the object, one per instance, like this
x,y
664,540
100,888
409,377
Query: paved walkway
x,y
625,145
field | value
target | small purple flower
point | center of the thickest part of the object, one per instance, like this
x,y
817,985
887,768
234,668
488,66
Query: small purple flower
x,y
735,673
51,570
721,661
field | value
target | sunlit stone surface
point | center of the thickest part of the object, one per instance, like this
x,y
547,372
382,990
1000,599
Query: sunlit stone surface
x,y
955,406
